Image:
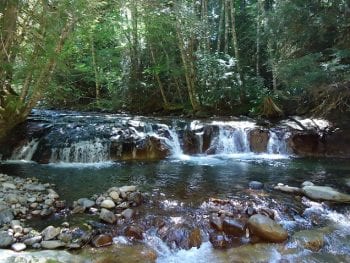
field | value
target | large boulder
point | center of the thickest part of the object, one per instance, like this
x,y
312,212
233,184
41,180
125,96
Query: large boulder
x,y
266,229
325,193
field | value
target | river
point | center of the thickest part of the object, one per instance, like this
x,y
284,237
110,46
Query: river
x,y
183,183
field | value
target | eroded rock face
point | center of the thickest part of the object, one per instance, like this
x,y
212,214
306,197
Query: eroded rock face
x,y
258,140
148,148
266,229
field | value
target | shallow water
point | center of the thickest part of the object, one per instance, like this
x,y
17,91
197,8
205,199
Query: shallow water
x,y
190,179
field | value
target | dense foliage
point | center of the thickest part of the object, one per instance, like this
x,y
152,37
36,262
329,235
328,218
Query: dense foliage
x,y
222,57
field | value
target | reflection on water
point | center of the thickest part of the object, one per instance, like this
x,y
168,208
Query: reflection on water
x,y
196,178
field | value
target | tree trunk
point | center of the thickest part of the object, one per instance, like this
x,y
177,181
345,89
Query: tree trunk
x,y
227,26
160,85
8,22
94,64
236,51
221,22
205,20
189,70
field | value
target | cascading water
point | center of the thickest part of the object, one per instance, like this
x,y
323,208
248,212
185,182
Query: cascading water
x,y
174,143
82,152
233,137
277,143
26,152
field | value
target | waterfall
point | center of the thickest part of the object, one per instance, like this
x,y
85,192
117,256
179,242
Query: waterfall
x,y
232,140
82,152
199,137
277,143
174,143
26,152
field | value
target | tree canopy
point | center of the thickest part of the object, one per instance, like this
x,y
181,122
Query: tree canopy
x,y
222,57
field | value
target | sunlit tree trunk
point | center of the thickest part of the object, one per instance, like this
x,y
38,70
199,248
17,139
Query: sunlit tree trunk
x,y
96,71
236,50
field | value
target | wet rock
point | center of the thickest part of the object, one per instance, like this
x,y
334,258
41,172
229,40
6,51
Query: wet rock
x,y
18,247
102,241
32,240
195,238
78,209
107,204
128,213
325,193
5,239
266,229
85,202
134,232
52,244
258,140
255,185
216,222
220,240
181,236
107,216
307,183
233,227
65,236
313,240
288,189
50,232
136,198
267,212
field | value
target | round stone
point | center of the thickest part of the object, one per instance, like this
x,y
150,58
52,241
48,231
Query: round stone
x,y
108,204
18,247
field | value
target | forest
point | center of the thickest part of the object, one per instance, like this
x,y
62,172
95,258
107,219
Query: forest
x,y
197,58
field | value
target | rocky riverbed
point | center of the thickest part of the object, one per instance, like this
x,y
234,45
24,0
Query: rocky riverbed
x,y
123,220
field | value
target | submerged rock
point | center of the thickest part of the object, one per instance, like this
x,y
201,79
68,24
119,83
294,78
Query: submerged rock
x,y
313,240
233,227
102,241
134,231
266,229
255,185
325,193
